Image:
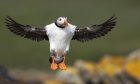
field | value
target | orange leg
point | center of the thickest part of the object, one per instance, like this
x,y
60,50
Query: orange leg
x,y
62,65
53,64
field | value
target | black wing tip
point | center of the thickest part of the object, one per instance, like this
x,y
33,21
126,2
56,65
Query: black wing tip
x,y
107,26
113,18
7,16
111,21
8,20
114,15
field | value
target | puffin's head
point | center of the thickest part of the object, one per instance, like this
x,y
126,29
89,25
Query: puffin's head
x,y
62,22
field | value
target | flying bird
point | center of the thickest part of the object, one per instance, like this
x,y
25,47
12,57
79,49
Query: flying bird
x,y
59,34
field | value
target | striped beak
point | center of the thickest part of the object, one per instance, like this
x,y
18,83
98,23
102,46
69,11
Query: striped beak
x,y
66,22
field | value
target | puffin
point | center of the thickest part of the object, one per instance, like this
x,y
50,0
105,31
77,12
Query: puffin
x,y
59,34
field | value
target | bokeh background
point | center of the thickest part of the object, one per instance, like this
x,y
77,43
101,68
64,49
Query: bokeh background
x,y
17,52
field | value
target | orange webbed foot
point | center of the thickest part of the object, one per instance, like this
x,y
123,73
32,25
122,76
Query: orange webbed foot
x,y
62,65
53,64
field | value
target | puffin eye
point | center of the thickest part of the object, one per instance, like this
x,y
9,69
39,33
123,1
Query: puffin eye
x,y
60,19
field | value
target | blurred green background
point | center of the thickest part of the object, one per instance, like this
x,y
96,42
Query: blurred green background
x,y
16,52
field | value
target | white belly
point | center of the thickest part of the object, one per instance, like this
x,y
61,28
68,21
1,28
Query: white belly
x,y
60,38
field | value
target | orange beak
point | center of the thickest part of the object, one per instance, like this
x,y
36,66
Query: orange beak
x,y
66,22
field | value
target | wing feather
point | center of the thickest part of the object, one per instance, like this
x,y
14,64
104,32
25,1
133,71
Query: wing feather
x,y
94,31
26,31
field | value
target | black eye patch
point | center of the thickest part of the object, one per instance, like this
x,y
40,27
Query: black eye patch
x,y
60,19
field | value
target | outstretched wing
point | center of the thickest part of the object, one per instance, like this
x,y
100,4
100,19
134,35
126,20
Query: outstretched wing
x,y
94,31
26,31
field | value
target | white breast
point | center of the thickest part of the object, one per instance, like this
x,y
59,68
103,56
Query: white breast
x,y
60,38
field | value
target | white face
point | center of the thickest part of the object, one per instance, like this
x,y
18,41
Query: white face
x,y
62,21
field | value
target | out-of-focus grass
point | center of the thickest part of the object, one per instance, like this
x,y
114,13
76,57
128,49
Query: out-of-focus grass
x,y
23,53
111,69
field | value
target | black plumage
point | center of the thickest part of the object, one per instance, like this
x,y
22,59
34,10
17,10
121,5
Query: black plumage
x,y
26,31
95,31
